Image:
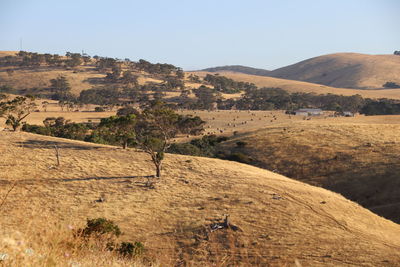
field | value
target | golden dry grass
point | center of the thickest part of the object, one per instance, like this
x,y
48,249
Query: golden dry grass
x,y
356,157
306,87
80,78
40,77
281,220
350,70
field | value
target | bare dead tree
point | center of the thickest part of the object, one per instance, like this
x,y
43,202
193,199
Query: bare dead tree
x,y
57,155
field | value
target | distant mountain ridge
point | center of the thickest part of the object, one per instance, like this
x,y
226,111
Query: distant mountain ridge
x,y
241,69
341,70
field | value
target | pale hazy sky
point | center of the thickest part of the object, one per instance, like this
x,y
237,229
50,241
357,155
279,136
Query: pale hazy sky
x,y
197,34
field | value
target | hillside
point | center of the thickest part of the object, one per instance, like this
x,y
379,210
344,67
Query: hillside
x,y
80,78
280,221
356,157
240,69
306,87
349,70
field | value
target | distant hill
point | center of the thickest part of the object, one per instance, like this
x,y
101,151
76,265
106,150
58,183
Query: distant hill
x,y
350,70
241,69
304,87
342,70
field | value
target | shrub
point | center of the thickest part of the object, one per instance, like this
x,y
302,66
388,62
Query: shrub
x,y
100,226
128,249
391,85
99,109
241,144
127,111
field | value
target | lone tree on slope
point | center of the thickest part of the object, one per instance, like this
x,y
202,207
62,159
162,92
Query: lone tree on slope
x,y
155,128
16,110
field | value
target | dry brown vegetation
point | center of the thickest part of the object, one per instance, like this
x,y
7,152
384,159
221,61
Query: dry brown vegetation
x,y
280,220
357,157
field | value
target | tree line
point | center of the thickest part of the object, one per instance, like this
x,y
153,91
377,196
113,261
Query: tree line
x,y
151,129
226,85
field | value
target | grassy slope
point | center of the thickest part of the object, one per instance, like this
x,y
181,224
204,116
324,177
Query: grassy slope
x,y
307,87
356,157
240,69
350,70
281,219
80,78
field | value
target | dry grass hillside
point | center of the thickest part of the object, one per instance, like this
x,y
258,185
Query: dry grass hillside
x,y
349,70
278,221
80,78
306,87
357,157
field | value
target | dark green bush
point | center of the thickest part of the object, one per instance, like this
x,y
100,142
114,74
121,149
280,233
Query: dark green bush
x,y
391,85
99,109
100,226
128,249
185,149
239,157
241,144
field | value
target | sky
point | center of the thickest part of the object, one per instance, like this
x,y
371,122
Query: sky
x,y
195,34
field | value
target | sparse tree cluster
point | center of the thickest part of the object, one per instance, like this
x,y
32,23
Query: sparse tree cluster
x,y
226,85
29,59
206,97
157,68
61,89
391,85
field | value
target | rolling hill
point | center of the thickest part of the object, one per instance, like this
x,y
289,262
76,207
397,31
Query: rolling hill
x,y
355,157
277,221
349,70
305,87
240,69
341,70
84,77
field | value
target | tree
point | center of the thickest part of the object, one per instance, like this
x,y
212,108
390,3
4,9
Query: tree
x,y
127,111
16,110
115,74
180,74
75,59
61,88
2,104
118,129
129,78
155,128
172,82
206,97
106,95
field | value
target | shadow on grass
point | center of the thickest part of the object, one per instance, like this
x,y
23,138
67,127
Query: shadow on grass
x,y
139,180
105,178
95,80
60,144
